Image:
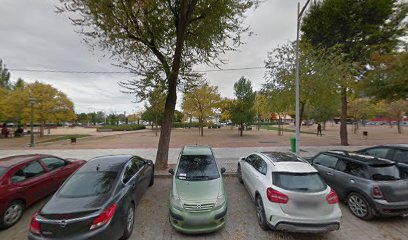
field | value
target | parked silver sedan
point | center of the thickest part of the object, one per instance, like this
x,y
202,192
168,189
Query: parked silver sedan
x,y
289,194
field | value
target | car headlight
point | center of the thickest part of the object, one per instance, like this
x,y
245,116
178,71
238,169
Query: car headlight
x,y
176,202
220,200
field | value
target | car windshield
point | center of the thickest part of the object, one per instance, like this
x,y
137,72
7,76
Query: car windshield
x,y
385,172
197,167
3,170
305,182
86,184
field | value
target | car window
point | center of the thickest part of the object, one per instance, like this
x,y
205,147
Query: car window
x,y
384,172
307,182
130,170
139,162
31,170
326,160
259,164
378,152
401,156
250,158
3,170
86,184
53,163
197,167
353,168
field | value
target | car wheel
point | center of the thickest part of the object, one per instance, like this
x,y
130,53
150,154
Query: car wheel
x,y
130,220
260,213
12,214
152,179
359,206
240,174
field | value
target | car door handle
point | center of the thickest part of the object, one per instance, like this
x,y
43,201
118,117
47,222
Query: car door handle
x,y
352,181
330,173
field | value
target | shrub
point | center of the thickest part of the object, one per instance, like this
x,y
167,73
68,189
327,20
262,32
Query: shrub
x,y
130,127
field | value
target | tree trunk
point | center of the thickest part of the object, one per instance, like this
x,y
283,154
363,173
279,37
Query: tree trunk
x,y
343,117
324,125
399,126
241,129
302,111
157,126
201,127
42,129
172,77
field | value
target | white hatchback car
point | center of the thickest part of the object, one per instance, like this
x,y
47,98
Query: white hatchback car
x,y
289,194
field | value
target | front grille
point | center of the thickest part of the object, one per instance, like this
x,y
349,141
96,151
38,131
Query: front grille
x,y
198,207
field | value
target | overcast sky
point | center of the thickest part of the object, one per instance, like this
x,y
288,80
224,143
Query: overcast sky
x,y
33,36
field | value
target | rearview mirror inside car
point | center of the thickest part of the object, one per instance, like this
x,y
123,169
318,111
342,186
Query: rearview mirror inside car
x,y
171,171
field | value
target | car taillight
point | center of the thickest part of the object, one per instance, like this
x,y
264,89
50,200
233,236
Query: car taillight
x,y
35,225
377,192
104,217
332,197
276,196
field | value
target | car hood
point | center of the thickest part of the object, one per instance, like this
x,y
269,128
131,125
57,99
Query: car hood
x,y
198,190
63,205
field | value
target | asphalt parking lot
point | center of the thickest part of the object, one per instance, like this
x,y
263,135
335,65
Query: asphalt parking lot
x,y
152,221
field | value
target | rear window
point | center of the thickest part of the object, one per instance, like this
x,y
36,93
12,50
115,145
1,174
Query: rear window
x,y
306,182
197,167
385,172
3,170
86,184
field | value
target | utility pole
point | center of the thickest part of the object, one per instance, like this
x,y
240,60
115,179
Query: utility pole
x,y
32,101
299,16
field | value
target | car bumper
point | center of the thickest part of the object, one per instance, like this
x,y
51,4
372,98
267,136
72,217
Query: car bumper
x,y
105,232
278,220
197,222
385,208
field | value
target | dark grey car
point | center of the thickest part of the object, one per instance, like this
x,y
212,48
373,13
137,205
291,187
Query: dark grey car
x,y
96,202
370,186
395,152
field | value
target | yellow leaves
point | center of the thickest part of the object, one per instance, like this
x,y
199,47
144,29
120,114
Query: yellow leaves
x,y
201,101
50,105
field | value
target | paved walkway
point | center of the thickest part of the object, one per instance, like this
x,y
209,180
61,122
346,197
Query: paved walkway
x,y
224,154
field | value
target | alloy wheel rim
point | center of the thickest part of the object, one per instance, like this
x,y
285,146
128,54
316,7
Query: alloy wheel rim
x,y
12,214
130,220
358,206
259,210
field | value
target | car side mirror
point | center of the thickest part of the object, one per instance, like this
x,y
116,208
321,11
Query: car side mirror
x,y
223,170
171,171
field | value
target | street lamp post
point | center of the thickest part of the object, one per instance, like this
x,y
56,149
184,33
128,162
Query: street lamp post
x,y
299,16
32,101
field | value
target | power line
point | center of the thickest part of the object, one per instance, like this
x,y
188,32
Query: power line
x,y
121,72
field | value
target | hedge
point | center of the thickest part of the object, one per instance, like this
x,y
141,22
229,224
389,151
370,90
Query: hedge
x,y
130,127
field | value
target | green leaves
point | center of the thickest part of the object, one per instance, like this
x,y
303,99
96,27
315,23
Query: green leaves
x,y
243,108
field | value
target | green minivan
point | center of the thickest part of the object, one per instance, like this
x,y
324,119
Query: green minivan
x,y
198,203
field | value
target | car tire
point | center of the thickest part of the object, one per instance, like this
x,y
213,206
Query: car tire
x,y
129,222
240,174
12,214
359,206
151,179
260,213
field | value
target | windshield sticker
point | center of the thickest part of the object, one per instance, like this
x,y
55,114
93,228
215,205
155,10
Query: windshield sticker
x,y
183,174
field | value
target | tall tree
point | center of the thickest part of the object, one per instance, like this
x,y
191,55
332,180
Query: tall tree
x,y
4,76
243,108
317,69
155,110
200,102
161,40
388,78
356,29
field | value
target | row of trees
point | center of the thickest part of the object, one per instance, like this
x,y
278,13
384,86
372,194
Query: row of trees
x,y
161,41
50,105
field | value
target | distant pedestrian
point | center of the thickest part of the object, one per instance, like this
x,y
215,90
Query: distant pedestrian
x,y
319,129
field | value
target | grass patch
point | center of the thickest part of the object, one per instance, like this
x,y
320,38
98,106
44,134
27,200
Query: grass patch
x,y
269,127
64,137
130,127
